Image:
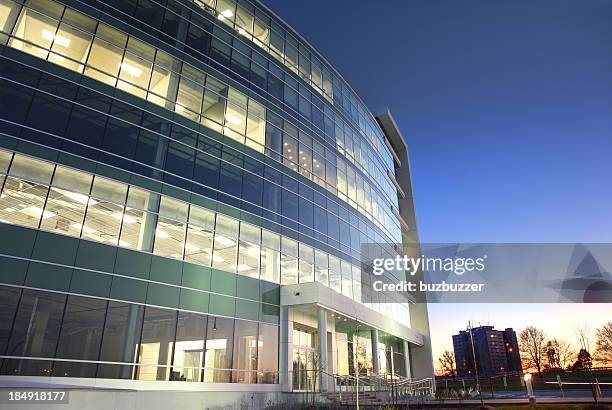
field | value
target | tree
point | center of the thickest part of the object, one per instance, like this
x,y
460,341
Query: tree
x,y
584,337
447,364
603,344
559,354
584,361
533,347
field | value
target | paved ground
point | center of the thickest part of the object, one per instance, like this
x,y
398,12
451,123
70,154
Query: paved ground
x,y
542,396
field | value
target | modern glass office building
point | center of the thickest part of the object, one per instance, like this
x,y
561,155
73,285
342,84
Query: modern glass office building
x,y
186,186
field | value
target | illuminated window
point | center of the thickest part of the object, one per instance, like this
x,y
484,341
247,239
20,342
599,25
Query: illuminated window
x,y
244,22
9,11
38,30
135,69
21,201
261,34
164,80
270,256
235,115
67,200
106,54
137,234
256,126
249,250
226,11
213,107
72,41
198,246
171,228
190,93
225,243
104,217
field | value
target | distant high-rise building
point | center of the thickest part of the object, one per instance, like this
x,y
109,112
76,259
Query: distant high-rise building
x,y
496,351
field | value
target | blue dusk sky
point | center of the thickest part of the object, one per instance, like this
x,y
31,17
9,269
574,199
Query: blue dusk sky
x,y
506,107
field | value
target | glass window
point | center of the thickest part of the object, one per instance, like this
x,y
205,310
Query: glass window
x,y
321,267
104,218
36,330
137,232
291,57
31,169
164,80
189,347
226,10
68,206
290,152
256,126
135,70
80,337
8,15
5,160
267,357
213,106
244,21
347,279
245,351
270,256
72,41
235,115
289,261
9,300
261,34
335,275
249,250
155,348
198,246
38,29
225,243
171,228
306,273
22,202
356,283
190,93
106,54
219,343
277,45
120,339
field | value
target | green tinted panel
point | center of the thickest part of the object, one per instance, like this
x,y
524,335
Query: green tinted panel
x,y
270,293
166,270
131,263
195,276
96,256
247,287
12,271
223,282
17,241
222,305
194,300
90,283
270,313
55,248
129,289
163,295
247,310
48,276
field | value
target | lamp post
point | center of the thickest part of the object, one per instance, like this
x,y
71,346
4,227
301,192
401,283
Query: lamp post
x,y
527,378
475,363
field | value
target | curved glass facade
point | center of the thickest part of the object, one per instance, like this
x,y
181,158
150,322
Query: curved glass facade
x,y
167,166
